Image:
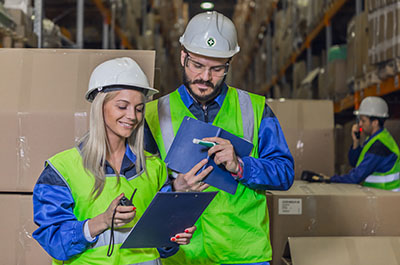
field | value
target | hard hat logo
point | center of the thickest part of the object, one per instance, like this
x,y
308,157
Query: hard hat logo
x,y
211,42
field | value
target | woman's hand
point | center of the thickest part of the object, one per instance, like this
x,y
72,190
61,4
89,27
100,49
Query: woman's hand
x,y
123,215
184,238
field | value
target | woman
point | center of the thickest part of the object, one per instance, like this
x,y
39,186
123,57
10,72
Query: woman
x,y
77,197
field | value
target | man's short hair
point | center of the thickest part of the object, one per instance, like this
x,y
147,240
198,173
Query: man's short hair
x,y
381,121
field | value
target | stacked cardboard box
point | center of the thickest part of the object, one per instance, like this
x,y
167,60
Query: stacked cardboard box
x,y
24,28
333,79
344,250
309,132
357,50
384,30
44,112
314,209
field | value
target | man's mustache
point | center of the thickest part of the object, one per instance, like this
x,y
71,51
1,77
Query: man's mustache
x,y
200,81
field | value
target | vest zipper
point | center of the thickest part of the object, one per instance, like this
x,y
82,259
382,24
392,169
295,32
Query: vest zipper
x,y
205,109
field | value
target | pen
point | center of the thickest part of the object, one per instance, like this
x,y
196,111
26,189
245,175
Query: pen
x,y
204,143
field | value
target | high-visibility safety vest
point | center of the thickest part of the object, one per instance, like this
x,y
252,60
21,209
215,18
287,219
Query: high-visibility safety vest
x,y
233,228
69,166
389,180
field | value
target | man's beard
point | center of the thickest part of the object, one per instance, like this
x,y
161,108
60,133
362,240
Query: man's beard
x,y
203,99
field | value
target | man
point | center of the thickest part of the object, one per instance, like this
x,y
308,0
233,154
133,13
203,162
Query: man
x,y
234,229
376,163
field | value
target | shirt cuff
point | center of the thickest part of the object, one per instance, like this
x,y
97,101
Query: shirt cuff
x,y
86,232
239,174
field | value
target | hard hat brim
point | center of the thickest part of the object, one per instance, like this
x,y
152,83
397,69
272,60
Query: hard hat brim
x,y
89,96
358,113
211,53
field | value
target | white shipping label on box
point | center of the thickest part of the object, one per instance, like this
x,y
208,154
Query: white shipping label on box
x,y
290,206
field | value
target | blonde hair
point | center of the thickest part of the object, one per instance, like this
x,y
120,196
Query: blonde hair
x,y
95,145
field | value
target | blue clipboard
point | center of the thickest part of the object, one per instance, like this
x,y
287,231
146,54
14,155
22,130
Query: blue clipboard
x,y
184,154
168,214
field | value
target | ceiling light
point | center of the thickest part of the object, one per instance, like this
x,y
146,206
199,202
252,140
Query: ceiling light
x,y
207,5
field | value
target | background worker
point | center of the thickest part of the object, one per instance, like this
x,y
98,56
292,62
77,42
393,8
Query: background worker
x,y
234,229
76,198
377,161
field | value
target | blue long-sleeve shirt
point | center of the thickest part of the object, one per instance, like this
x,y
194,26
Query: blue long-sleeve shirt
x,y
273,170
59,232
377,159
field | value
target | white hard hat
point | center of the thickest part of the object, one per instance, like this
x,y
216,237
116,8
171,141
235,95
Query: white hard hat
x,y
211,34
373,106
118,72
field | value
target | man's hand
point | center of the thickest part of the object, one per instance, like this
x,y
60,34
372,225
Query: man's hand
x,y
224,154
354,131
191,182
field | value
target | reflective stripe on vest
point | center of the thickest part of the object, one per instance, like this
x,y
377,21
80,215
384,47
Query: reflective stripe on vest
x,y
383,179
387,182
164,114
120,234
246,108
167,131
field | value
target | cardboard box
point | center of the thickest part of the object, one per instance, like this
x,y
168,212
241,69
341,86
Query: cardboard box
x,y
309,131
323,92
43,106
315,209
342,250
299,73
393,126
336,83
343,142
351,49
361,44
23,5
17,244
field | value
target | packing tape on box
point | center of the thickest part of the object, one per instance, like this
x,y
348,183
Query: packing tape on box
x,y
23,151
81,125
370,227
310,206
40,135
395,248
299,153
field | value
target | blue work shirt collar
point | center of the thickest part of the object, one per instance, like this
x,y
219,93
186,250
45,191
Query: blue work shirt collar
x,y
128,162
188,100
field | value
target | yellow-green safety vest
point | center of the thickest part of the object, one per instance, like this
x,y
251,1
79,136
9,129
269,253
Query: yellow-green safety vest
x,y
233,228
69,166
389,180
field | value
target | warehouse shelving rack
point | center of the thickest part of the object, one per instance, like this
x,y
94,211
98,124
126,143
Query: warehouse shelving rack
x,y
324,23
257,43
386,86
